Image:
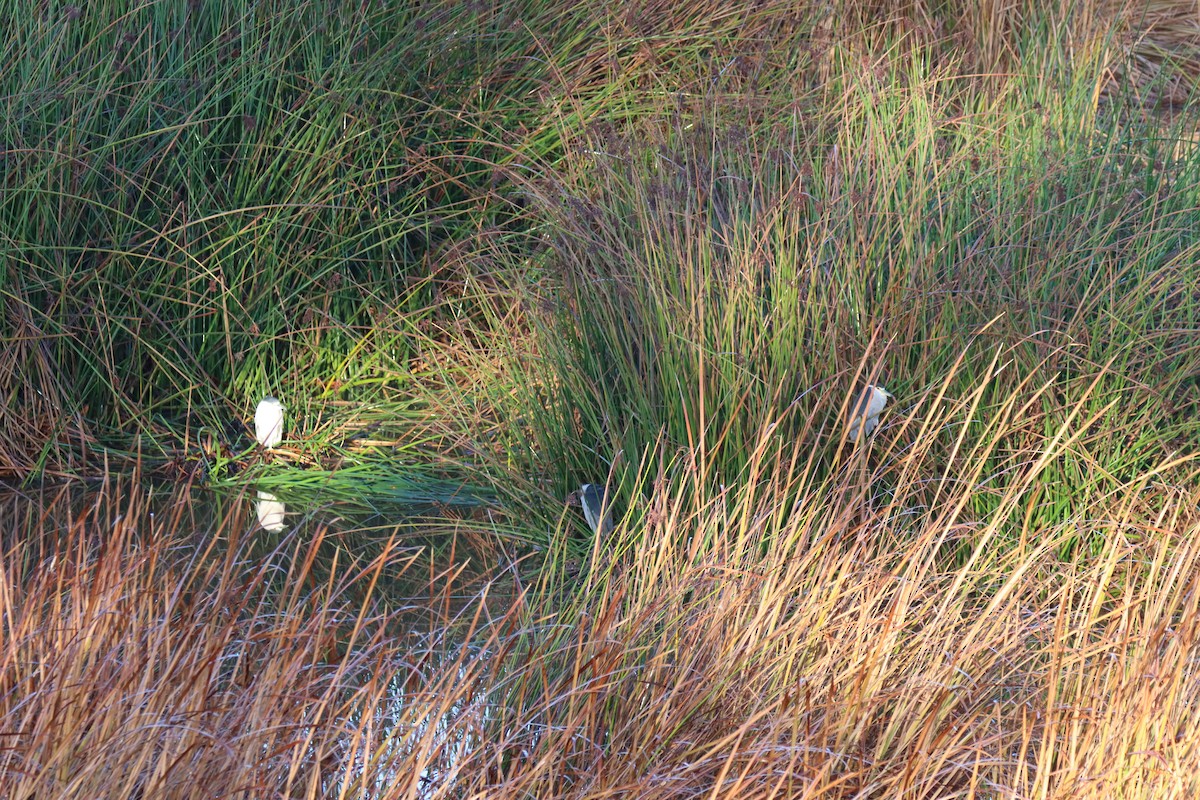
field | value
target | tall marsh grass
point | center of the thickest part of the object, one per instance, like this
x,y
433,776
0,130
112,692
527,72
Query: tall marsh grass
x,y
718,273
210,203
728,646
536,244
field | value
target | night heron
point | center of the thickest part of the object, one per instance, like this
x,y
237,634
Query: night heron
x,y
864,417
596,508
268,422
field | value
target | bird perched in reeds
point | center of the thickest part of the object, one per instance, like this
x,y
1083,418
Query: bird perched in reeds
x,y
594,500
864,416
268,422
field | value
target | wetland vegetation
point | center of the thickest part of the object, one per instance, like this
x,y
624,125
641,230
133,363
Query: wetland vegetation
x,y
486,253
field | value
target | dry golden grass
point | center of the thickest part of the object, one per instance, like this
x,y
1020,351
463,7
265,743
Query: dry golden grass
x,y
869,638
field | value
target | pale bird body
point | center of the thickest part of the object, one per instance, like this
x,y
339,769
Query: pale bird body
x,y
268,422
864,417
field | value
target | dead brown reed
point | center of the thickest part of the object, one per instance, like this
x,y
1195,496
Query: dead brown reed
x,y
149,654
875,637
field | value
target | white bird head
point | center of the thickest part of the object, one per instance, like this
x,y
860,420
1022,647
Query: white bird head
x,y
864,416
268,422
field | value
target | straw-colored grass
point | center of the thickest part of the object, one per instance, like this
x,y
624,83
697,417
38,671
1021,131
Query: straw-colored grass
x,y
780,639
